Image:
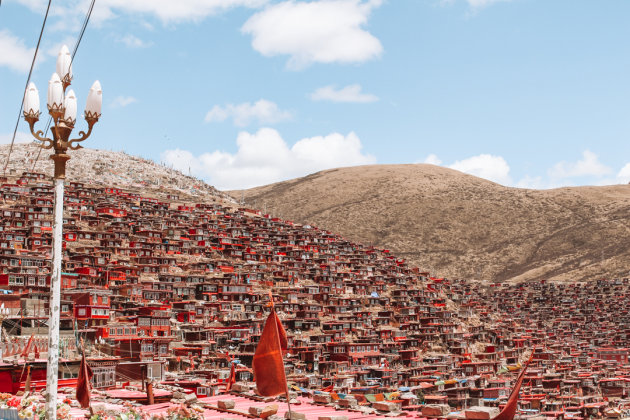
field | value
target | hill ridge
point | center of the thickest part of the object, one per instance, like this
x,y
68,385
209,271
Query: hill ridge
x,y
110,168
459,225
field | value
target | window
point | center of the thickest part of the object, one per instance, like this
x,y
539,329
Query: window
x,y
14,280
41,281
81,311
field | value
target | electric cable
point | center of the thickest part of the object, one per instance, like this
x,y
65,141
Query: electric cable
x,y
28,80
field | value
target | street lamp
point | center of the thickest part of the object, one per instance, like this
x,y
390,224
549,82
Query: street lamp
x,y
62,108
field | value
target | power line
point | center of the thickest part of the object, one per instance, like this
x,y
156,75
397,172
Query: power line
x,y
85,23
28,80
74,52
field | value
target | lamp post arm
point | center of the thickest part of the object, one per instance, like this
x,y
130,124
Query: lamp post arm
x,y
83,135
39,134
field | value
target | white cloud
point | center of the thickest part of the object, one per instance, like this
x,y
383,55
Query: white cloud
x,y
15,55
493,168
350,93
262,111
490,167
586,171
123,101
623,176
432,159
169,11
264,157
133,41
324,31
20,137
589,165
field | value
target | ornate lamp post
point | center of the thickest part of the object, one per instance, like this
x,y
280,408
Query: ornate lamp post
x,y
62,107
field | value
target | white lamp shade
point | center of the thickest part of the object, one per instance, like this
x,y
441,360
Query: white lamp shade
x,y
70,104
31,100
94,101
55,93
64,63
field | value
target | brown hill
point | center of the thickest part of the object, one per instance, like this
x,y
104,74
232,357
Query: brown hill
x,y
459,225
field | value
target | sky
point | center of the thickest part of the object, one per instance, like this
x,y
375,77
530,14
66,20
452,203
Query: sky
x,y
240,93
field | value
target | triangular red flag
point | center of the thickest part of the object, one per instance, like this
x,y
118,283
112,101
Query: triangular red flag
x,y
510,408
268,365
27,348
232,377
83,383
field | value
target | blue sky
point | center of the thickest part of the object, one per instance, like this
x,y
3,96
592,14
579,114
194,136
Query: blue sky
x,y
529,93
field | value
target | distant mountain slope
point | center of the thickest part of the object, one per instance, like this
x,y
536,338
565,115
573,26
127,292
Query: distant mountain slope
x,y
462,226
107,168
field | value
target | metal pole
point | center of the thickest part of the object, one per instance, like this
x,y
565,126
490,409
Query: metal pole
x,y
60,142
52,371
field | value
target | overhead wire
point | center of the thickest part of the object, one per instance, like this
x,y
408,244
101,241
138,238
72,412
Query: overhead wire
x,y
28,80
74,52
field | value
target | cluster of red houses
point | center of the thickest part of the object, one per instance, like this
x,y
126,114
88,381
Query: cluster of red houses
x,y
172,289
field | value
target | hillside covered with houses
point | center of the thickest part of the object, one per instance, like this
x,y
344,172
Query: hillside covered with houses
x,y
171,289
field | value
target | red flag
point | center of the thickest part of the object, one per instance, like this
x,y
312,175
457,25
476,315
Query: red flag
x,y
329,388
83,383
509,410
27,348
268,366
232,377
